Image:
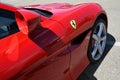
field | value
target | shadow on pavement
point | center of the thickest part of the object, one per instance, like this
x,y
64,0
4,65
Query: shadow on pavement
x,y
88,73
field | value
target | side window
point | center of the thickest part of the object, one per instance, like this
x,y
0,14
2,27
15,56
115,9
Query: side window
x,y
8,24
3,31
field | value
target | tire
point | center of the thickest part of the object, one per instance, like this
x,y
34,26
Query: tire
x,y
97,41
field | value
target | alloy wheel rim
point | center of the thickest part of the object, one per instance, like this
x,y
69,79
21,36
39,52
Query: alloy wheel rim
x,y
99,37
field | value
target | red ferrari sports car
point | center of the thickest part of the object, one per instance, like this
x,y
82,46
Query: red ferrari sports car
x,y
50,42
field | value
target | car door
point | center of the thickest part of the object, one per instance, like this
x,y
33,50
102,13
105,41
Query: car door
x,y
31,56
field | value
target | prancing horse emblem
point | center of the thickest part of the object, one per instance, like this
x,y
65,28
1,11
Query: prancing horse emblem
x,y
73,24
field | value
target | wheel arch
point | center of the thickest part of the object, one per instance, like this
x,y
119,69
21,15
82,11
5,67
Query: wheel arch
x,y
104,17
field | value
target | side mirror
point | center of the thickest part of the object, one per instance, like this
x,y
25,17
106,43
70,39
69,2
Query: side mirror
x,y
27,20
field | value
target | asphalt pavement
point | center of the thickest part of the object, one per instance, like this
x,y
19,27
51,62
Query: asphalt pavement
x,y
109,67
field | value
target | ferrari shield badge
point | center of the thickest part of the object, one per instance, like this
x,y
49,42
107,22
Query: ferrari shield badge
x,y
73,24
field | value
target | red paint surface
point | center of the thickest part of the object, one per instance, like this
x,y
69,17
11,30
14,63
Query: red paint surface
x,y
45,52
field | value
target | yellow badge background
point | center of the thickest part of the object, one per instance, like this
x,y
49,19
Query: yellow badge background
x,y
73,24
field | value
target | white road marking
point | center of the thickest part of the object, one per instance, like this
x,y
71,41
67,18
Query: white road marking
x,y
117,44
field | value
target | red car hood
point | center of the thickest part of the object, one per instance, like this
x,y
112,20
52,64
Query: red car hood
x,y
55,7
59,10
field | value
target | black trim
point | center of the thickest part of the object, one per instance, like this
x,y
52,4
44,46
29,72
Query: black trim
x,y
41,12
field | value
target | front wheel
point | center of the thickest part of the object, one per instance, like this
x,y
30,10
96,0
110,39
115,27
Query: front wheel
x,y
97,41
